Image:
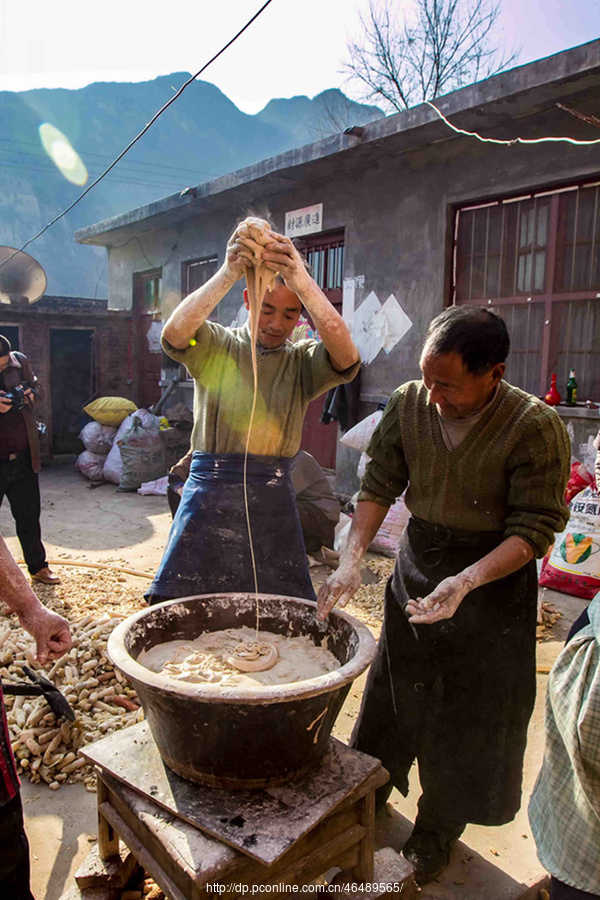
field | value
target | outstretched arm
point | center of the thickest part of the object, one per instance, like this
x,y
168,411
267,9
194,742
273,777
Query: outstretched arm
x,y
281,256
194,310
50,631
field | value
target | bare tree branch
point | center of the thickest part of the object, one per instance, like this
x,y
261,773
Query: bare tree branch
x,y
444,46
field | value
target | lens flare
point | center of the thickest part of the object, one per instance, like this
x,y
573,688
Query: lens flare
x,y
63,155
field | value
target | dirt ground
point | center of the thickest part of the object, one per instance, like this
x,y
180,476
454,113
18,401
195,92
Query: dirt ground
x,y
128,531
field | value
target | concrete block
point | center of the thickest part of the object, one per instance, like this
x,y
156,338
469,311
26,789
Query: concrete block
x,y
114,872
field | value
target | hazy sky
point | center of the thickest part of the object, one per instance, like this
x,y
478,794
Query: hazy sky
x,y
293,48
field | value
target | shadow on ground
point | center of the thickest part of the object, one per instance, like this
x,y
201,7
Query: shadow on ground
x,y
468,876
58,835
77,518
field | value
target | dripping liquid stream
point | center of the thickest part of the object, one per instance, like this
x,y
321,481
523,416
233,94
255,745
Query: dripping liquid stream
x,y
254,281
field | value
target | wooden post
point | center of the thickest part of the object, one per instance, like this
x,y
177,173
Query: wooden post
x,y
108,839
364,870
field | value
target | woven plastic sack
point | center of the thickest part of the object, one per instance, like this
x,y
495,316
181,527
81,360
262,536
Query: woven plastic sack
x,y
91,465
359,437
113,467
97,438
142,454
573,563
110,410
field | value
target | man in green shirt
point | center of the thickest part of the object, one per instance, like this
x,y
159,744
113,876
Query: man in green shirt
x,y
453,685
209,548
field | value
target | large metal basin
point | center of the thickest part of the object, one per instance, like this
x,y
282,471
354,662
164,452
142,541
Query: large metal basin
x,y
240,737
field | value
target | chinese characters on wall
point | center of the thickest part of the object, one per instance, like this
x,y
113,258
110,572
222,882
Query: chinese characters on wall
x,y
304,221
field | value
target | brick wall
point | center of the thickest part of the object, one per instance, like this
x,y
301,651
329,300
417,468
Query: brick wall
x,y
113,357
111,347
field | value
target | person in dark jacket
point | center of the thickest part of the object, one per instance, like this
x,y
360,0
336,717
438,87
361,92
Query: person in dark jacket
x,y
20,457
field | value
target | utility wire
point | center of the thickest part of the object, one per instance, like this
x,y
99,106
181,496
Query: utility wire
x,y
141,133
517,140
122,178
86,155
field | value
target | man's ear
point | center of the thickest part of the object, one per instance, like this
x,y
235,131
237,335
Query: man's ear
x,y
498,372
246,300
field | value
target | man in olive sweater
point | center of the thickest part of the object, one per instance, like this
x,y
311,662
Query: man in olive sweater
x,y
453,684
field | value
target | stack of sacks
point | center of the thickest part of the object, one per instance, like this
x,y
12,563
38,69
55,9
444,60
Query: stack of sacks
x,y
98,436
129,446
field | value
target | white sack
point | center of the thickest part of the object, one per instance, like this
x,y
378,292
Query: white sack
x,y
358,437
97,438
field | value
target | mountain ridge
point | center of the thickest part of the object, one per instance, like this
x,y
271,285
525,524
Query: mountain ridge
x,y
201,136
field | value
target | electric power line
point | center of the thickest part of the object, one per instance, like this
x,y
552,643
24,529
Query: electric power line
x,y
85,155
146,127
513,141
123,178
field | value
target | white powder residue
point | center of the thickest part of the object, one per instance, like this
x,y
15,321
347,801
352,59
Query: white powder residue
x,y
204,660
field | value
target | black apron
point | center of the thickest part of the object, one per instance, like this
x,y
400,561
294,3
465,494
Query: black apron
x,y
456,695
208,550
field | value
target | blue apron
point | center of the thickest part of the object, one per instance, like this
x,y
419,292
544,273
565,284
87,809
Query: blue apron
x,y
208,550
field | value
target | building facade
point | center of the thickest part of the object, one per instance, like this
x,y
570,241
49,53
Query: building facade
x,y
406,213
79,350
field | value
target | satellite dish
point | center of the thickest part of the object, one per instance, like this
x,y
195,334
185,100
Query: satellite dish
x,y
22,279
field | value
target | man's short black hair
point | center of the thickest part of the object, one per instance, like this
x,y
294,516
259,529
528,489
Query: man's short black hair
x,y
477,334
5,346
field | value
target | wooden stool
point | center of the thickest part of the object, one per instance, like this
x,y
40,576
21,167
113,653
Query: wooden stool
x,y
196,841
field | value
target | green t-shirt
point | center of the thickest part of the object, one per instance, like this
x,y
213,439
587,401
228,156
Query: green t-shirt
x,y
289,377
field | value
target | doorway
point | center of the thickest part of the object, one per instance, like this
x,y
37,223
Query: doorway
x,y
72,384
11,333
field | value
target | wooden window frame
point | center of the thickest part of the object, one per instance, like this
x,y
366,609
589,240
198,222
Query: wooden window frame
x,y
139,279
550,295
186,266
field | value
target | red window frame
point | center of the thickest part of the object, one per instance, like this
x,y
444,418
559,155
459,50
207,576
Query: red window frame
x,y
524,257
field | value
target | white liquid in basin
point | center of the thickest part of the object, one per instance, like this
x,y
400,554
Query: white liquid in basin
x,y
204,660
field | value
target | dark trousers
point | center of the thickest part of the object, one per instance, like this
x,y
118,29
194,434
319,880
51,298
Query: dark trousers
x,y
14,853
19,483
561,891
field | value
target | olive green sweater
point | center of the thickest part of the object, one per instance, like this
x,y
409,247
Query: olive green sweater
x,y
509,474
289,377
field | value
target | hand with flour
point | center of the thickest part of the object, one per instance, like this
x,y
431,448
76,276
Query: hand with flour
x,y
237,256
339,588
442,603
194,310
344,583
280,255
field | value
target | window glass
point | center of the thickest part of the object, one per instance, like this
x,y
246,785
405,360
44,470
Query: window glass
x,y
540,256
